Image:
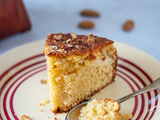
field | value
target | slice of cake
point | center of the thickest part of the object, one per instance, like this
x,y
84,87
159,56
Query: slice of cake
x,y
106,109
78,66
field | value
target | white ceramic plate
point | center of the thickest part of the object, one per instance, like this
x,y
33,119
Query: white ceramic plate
x,y
21,91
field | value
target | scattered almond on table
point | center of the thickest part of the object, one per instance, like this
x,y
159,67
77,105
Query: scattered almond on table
x,y
44,102
128,25
90,13
86,25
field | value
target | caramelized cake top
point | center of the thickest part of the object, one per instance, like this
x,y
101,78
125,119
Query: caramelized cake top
x,y
72,44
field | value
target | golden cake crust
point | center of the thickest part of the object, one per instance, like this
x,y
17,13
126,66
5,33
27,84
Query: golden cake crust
x,y
72,44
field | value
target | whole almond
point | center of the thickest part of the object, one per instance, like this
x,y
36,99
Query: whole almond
x,y
90,13
86,24
128,25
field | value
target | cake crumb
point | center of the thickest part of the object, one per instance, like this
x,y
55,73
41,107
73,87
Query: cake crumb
x,y
127,116
55,118
44,102
40,110
24,117
48,117
43,81
54,113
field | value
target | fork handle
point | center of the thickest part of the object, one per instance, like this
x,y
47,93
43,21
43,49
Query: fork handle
x,y
154,85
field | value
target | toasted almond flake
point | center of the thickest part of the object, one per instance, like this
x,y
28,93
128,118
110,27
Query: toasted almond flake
x,y
69,45
74,36
49,50
90,34
76,46
49,36
43,81
57,37
67,41
60,50
44,102
91,38
54,47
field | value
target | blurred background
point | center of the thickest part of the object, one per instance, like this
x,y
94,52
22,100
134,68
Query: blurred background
x,y
53,16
